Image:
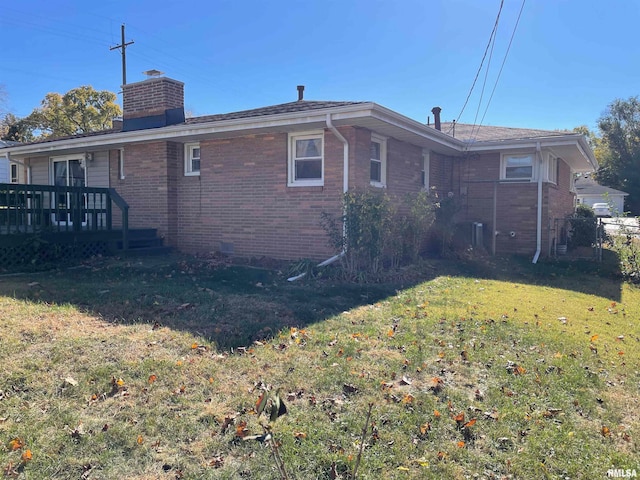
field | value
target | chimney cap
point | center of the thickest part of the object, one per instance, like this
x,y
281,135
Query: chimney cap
x,y
436,110
153,73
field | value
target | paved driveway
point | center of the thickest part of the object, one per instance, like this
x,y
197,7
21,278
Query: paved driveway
x,y
615,224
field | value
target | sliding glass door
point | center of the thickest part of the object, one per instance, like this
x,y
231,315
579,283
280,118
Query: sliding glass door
x,y
68,172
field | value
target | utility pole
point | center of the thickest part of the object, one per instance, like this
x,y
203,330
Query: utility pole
x,y
123,46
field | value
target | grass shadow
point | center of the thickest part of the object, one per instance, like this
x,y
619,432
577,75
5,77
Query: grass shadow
x,y
234,305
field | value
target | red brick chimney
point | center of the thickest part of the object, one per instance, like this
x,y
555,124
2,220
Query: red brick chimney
x,y
152,103
436,117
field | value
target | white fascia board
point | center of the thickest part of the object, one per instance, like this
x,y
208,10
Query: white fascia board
x,y
573,140
389,116
193,131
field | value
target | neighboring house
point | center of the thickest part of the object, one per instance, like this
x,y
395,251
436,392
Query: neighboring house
x,y
256,182
588,192
9,172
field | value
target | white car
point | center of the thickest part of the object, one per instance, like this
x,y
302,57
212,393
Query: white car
x,y
601,209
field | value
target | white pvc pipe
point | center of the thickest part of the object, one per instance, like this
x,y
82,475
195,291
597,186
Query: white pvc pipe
x,y
539,212
345,188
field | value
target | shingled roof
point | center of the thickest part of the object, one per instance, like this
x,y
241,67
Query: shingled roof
x,y
291,107
486,133
587,185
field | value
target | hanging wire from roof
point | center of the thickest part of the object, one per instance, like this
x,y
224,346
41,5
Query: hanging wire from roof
x,y
501,68
489,43
475,129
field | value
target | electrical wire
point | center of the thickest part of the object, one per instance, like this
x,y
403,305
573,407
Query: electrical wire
x,y
491,37
503,62
475,130
484,84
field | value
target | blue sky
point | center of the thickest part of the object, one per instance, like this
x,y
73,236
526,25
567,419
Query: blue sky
x,y
569,58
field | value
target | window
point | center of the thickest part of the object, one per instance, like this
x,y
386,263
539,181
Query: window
x,y
552,169
306,159
14,173
517,167
426,164
192,159
121,163
378,156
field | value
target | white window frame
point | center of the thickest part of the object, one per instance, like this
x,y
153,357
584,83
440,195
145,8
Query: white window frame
x,y
426,167
552,168
504,165
572,182
14,178
382,141
121,163
189,171
311,182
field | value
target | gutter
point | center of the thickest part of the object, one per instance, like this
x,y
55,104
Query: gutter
x,y
270,123
345,188
539,212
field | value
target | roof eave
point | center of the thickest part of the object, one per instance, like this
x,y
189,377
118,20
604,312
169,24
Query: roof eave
x,y
345,115
581,159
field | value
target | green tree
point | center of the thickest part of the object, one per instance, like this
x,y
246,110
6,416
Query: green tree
x,y
619,149
16,129
80,110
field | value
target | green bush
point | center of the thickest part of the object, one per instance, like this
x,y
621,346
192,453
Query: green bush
x,y
583,227
377,231
626,245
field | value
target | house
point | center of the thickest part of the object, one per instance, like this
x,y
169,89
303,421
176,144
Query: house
x,y
588,192
255,182
8,171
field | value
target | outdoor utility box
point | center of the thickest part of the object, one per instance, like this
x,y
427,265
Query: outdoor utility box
x,y
476,234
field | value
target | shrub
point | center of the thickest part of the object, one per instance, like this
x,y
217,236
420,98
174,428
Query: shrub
x,y
626,245
583,227
377,231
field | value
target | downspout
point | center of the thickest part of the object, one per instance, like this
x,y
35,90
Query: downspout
x,y
345,188
539,212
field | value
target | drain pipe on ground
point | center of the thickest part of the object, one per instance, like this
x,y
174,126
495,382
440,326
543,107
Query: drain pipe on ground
x,y
539,213
345,188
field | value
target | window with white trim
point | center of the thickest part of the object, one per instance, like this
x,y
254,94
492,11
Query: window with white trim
x,y
306,159
378,156
192,159
552,169
13,170
517,167
426,165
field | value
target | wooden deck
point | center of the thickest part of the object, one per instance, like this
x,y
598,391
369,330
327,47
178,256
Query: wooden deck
x,y
46,210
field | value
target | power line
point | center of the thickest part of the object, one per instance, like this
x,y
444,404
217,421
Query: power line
x,y
495,27
484,84
503,62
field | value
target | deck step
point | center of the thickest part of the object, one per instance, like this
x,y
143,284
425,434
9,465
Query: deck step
x,y
146,251
143,242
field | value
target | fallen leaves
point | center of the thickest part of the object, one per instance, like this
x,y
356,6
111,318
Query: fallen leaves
x,y
16,444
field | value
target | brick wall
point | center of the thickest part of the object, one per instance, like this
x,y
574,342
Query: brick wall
x,y
148,186
404,168
517,205
151,97
241,198
441,173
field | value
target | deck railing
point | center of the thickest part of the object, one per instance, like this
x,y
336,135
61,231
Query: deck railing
x,y
51,208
